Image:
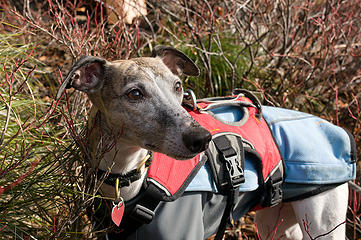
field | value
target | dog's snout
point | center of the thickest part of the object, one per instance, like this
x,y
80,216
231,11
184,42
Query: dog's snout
x,y
197,139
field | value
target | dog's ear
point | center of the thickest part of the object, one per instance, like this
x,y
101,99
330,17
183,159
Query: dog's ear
x,y
176,61
85,75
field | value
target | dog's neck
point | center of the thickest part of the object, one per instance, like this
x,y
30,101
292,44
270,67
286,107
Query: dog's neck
x,y
120,159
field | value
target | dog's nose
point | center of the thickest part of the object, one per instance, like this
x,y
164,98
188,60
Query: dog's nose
x,y
196,139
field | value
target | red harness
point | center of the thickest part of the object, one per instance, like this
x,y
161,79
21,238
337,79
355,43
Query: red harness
x,y
171,177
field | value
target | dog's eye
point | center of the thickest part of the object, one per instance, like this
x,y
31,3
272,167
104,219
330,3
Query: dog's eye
x,y
178,87
135,94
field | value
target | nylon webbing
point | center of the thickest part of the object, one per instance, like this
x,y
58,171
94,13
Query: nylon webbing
x,y
224,146
226,215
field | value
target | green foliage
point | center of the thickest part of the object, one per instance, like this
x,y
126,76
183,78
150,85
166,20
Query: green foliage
x,y
34,185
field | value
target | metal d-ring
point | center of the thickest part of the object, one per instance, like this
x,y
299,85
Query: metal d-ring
x,y
190,96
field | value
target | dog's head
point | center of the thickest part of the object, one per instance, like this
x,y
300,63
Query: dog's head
x,y
141,98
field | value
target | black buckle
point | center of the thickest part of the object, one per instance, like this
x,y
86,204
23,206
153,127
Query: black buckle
x,y
232,161
275,192
142,214
235,171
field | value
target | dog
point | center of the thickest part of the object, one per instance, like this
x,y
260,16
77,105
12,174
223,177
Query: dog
x,y
137,109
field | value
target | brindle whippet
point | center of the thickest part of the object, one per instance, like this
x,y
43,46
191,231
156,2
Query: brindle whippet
x,y
138,103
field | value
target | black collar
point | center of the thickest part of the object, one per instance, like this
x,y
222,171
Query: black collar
x,y
124,179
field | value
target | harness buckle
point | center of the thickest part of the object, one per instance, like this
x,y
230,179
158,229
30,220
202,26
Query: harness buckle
x,y
274,191
142,214
235,171
228,166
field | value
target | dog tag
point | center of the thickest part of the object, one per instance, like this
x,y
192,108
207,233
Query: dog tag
x,y
117,212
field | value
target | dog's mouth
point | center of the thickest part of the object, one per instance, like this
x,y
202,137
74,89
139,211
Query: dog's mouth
x,y
155,148
151,147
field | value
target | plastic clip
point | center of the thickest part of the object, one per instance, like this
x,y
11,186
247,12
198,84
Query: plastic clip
x,y
235,171
142,214
275,192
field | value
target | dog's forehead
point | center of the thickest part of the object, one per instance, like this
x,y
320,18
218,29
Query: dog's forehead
x,y
146,71
146,68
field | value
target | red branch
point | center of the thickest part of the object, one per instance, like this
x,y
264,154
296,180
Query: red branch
x,y
21,178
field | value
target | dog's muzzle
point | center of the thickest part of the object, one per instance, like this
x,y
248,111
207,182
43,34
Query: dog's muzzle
x,y
196,139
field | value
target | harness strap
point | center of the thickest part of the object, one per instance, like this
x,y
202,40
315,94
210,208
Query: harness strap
x,y
224,146
141,212
252,97
235,177
226,214
234,166
274,193
138,211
